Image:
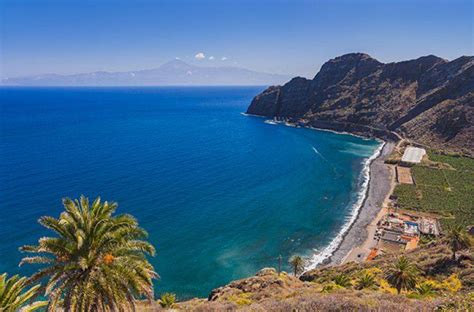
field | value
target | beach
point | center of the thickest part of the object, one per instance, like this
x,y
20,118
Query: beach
x,y
380,186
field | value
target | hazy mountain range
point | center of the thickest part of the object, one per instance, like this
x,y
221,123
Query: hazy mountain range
x,y
175,72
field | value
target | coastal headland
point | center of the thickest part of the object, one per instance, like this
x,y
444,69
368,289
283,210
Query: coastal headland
x,y
424,101
427,100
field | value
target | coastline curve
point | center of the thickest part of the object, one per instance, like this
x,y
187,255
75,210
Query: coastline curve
x,y
323,256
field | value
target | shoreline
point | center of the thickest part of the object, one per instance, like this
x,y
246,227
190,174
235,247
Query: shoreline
x,y
328,254
379,187
376,187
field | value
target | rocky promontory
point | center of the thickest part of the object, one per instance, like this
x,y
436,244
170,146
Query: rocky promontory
x,y
428,100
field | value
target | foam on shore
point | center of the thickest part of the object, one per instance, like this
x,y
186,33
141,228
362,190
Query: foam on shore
x,y
251,115
320,256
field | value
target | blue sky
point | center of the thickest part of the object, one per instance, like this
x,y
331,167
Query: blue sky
x,y
293,37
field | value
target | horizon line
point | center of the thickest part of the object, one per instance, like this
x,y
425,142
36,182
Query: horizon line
x,y
133,86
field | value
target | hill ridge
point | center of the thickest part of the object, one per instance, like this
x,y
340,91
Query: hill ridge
x,y
412,98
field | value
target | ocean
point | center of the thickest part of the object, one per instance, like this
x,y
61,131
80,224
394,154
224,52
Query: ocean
x,y
221,194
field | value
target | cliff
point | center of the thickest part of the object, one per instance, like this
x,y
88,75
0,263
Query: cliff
x,y
428,100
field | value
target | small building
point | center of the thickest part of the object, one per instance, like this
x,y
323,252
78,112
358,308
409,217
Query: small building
x,y
412,243
429,226
411,228
413,155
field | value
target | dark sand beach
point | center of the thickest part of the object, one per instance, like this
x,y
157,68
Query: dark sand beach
x,y
379,187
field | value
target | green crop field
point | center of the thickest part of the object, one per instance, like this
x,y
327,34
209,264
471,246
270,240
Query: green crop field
x,y
448,192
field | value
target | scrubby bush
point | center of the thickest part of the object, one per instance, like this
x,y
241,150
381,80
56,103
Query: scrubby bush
x,y
452,283
167,300
329,287
342,280
385,287
426,289
241,299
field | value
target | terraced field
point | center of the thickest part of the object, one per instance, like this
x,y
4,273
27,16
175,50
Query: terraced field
x,y
448,192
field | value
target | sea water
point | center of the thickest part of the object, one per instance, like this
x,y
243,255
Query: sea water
x,y
221,194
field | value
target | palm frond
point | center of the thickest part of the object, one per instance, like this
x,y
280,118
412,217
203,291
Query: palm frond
x,y
96,261
14,294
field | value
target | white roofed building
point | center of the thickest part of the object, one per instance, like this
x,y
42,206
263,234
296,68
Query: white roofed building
x,y
413,155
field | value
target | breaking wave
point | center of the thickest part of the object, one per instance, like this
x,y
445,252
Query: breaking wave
x,y
319,257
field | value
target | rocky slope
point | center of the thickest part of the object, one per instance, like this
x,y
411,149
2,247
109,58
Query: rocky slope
x,y
428,100
316,290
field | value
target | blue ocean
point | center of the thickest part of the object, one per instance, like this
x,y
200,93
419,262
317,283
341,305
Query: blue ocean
x,y
221,194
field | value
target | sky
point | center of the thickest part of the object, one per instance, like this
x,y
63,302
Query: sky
x,y
288,37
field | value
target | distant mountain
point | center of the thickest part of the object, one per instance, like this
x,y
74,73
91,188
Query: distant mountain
x,y
175,72
429,100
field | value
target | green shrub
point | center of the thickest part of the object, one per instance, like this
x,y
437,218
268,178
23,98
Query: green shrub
x,y
241,299
426,289
342,280
452,283
366,281
330,287
167,300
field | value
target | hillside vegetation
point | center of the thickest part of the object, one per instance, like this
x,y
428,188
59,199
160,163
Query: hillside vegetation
x,y
442,285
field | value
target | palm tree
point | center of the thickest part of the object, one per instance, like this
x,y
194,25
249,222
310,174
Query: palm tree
x,y
297,263
402,274
14,296
342,280
458,239
96,261
365,281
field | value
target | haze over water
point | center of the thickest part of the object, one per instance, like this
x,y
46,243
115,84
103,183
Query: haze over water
x,y
221,194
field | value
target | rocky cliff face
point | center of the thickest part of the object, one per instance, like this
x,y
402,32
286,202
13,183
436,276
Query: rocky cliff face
x,y
428,100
